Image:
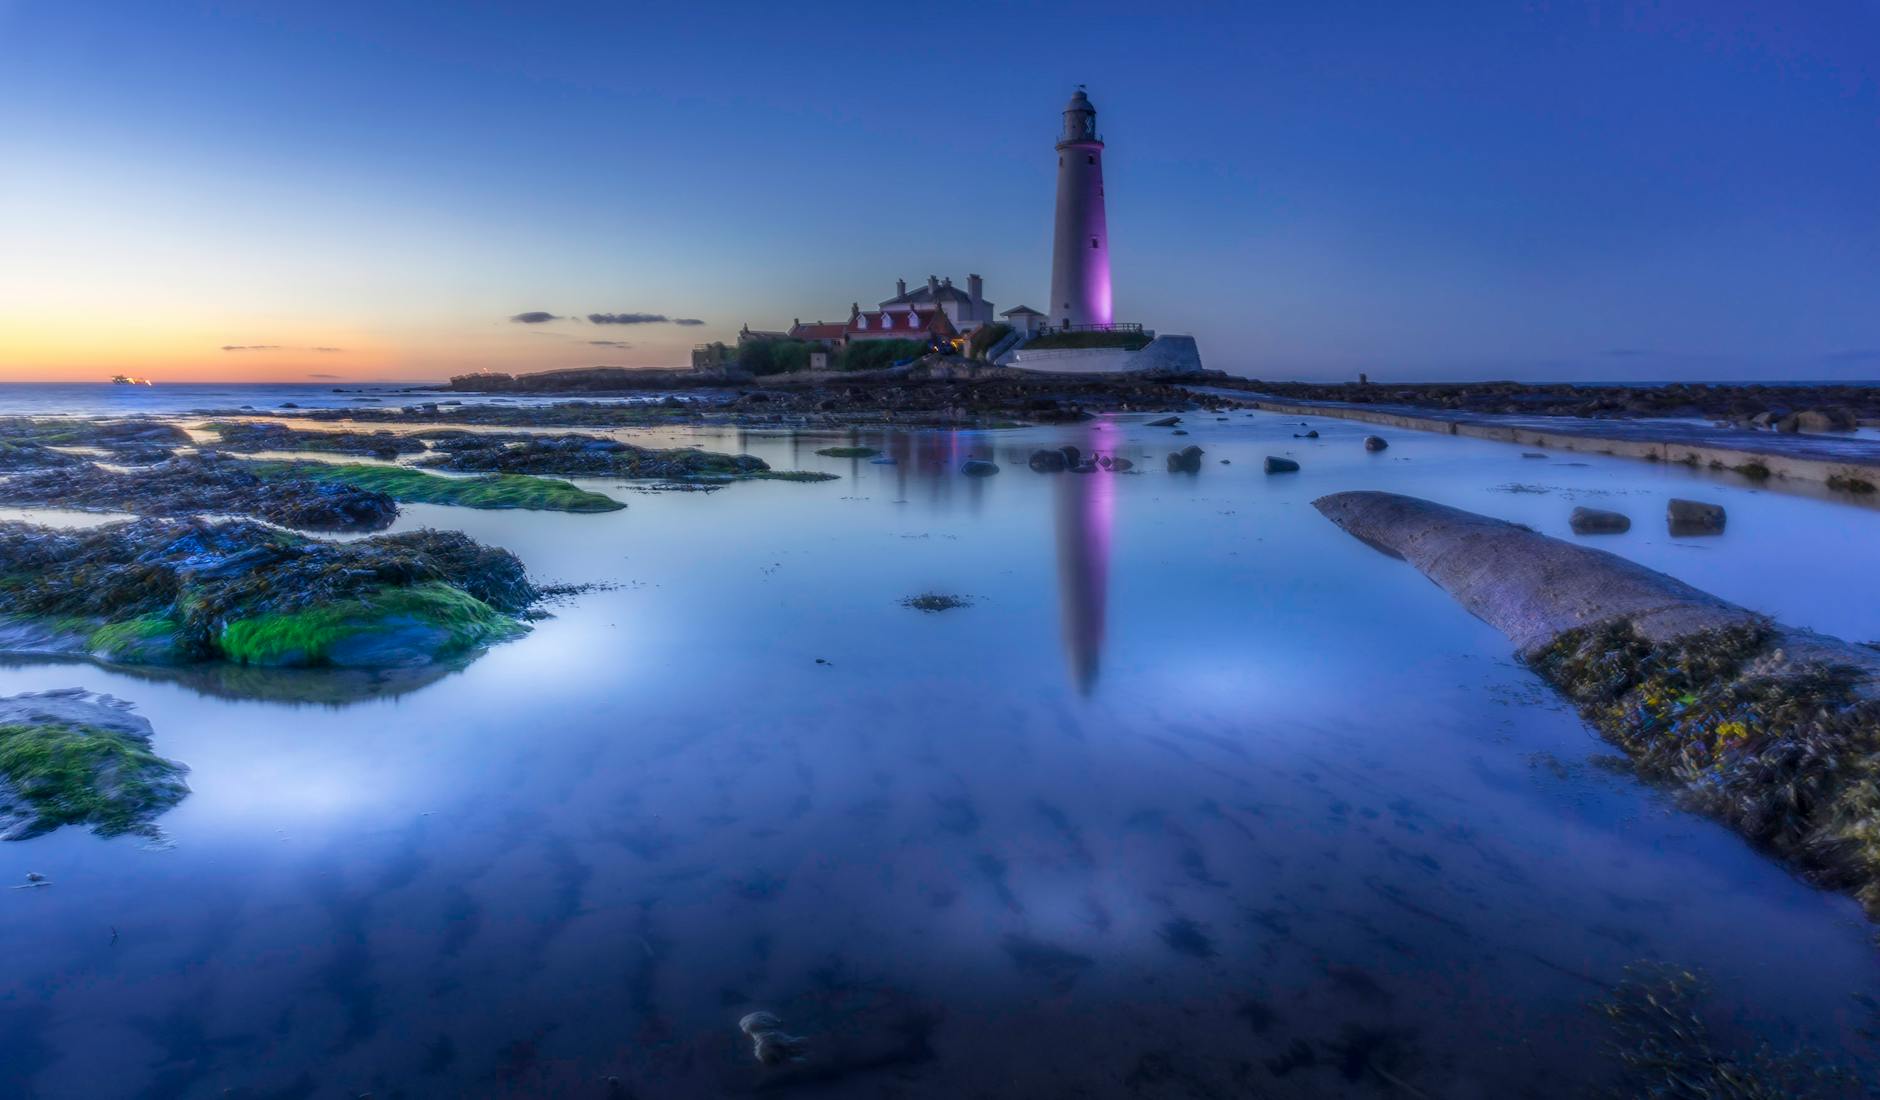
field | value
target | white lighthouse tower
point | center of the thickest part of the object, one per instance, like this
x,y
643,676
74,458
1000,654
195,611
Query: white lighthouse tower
x,y
1080,253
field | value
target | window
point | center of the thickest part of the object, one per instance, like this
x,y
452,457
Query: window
x,y
1060,162
862,321
1091,159
1093,242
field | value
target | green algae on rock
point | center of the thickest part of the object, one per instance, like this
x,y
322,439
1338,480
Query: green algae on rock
x,y
411,486
1771,729
155,592
72,757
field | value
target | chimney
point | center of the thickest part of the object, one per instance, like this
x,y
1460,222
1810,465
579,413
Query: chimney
x,y
900,288
975,289
854,308
933,286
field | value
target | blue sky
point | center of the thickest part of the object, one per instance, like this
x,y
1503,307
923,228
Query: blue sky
x,y
1498,190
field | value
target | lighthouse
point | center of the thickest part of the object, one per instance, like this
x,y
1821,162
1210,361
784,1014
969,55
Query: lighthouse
x,y
1080,252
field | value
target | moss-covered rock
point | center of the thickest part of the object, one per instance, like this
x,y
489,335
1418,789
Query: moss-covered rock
x,y
72,757
206,485
167,592
410,486
577,455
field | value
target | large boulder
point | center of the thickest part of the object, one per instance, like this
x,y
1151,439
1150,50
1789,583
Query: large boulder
x,y
73,757
1375,443
1275,465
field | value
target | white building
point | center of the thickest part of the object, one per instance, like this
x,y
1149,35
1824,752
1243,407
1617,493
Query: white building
x,y
966,309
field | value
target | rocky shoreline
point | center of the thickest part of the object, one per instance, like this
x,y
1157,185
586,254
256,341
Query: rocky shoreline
x,y
1772,730
1781,408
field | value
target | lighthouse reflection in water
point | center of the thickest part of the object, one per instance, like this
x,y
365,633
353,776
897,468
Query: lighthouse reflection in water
x,y
1085,512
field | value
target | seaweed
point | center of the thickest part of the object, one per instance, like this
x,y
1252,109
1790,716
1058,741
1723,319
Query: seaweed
x,y
1792,761
1667,1049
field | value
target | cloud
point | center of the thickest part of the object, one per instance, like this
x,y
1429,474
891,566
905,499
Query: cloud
x,y
327,349
627,318
251,347
610,343
687,321
534,317
326,376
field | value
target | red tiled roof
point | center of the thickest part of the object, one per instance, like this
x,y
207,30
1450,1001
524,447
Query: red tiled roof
x,y
820,330
883,322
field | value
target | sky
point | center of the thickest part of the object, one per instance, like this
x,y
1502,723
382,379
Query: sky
x,y
1545,191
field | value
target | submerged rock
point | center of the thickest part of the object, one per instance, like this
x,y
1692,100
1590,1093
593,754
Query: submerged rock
x,y
978,467
174,593
1772,729
1598,521
72,757
1275,465
1694,517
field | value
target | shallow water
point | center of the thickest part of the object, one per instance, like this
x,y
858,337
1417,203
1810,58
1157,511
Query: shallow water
x,y
1196,783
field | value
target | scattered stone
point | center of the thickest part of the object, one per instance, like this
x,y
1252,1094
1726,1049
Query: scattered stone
x,y
1185,461
72,757
1598,521
1179,431
1313,434
1281,465
978,467
1694,517
1047,462
1375,443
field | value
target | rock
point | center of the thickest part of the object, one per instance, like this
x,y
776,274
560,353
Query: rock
x,y
104,775
1047,462
1281,465
1694,517
978,467
1179,431
1165,422
1072,456
1532,454
1375,443
1598,521
1121,464
1187,460
1085,468
1823,420
1313,434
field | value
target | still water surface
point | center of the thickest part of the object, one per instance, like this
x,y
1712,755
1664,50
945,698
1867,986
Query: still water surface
x,y
1199,797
